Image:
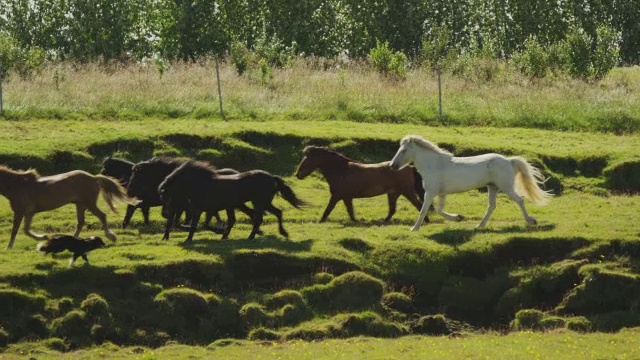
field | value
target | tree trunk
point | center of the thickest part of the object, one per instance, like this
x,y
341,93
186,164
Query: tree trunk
x,y
219,89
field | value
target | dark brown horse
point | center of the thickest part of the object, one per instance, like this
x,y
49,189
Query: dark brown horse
x,y
197,184
349,179
29,193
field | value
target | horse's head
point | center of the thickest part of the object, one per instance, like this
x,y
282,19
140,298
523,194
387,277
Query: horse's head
x,y
404,155
117,168
140,181
316,157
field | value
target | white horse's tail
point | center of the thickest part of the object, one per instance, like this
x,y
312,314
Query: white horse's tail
x,y
528,181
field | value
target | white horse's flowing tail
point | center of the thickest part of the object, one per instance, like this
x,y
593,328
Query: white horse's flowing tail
x,y
528,181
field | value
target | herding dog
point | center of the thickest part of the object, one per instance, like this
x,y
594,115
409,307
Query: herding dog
x,y
79,247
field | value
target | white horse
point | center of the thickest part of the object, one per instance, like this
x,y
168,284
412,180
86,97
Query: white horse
x,y
442,173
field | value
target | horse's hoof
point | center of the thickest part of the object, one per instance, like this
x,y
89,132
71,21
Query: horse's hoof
x,y
413,229
532,221
459,218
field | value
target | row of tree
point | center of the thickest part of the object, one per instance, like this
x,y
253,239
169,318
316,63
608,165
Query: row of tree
x,y
87,30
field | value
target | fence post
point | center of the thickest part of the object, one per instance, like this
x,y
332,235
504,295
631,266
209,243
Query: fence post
x,y
439,94
219,89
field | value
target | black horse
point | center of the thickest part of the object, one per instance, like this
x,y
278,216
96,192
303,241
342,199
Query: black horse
x,y
122,170
206,190
143,180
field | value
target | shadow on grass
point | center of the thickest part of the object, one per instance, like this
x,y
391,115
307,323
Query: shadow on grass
x,y
456,237
224,248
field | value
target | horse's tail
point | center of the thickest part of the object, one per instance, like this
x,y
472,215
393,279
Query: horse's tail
x,y
528,181
287,193
112,189
417,183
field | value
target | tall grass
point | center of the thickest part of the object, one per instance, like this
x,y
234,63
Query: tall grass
x,y
326,90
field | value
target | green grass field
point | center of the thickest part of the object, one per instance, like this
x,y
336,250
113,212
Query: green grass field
x,y
567,288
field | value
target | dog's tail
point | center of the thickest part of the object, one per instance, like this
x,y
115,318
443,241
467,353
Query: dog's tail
x,y
42,246
112,189
287,193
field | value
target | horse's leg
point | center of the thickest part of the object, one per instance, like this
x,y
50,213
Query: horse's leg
x,y
332,203
17,219
168,225
415,200
392,199
195,217
446,215
257,220
80,219
349,205
518,199
426,203
27,228
247,210
103,219
231,220
278,213
145,213
127,216
207,218
493,192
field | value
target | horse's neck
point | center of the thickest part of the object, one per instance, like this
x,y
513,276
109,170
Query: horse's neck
x,y
431,160
334,170
11,184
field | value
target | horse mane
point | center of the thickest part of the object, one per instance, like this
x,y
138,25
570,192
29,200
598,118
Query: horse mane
x,y
325,151
425,144
28,175
117,160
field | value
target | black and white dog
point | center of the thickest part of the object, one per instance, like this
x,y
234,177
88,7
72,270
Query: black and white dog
x,y
79,247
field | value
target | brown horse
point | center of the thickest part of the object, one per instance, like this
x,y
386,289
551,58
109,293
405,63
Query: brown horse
x,y
349,179
28,194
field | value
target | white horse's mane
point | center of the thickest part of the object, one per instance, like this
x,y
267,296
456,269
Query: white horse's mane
x,y
426,144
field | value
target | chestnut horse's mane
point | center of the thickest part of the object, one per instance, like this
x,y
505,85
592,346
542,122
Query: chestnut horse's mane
x,y
29,175
328,154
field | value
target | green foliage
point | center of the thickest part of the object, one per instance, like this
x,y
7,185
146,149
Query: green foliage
x,y
579,324
265,72
534,60
254,315
190,30
350,291
285,297
388,62
552,322
273,51
528,319
56,344
368,324
399,302
623,177
607,50
73,328
602,290
436,45
579,52
4,338
322,278
262,333
431,325
240,57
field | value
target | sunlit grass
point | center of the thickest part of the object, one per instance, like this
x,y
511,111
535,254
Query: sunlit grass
x,y
350,92
514,346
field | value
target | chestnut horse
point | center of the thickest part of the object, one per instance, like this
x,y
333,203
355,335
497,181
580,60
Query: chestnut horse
x,y
349,179
29,193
